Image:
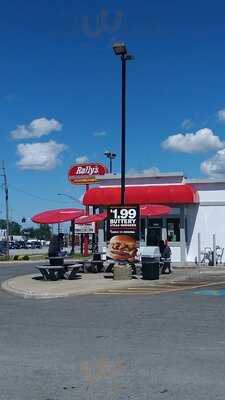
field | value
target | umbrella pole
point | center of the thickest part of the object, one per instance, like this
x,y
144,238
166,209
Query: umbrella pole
x,y
86,236
72,236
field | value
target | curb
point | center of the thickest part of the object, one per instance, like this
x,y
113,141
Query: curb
x,y
26,294
10,286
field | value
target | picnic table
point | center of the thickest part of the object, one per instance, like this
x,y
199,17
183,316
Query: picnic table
x,y
54,273
91,266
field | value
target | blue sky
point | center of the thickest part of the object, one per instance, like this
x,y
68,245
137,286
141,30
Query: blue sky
x,y
58,70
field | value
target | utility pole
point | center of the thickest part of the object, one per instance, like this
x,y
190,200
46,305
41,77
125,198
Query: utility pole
x,y
5,185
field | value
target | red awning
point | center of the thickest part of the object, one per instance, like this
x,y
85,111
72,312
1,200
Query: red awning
x,y
155,194
154,210
57,216
87,219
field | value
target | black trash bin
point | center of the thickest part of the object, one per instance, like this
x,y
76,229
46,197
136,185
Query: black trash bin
x,y
150,268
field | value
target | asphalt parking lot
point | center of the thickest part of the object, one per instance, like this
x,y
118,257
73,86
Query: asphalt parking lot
x,y
169,346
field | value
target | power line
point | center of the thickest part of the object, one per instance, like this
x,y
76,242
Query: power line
x,y
36,196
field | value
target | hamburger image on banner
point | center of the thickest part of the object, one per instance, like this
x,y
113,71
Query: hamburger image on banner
x,y
122,248
123,233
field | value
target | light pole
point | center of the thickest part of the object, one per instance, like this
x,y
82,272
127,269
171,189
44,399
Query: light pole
x,y
120,50
70,197
111,157
6,190
72,222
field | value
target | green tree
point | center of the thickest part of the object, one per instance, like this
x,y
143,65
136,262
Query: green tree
x,y
14,227
41,233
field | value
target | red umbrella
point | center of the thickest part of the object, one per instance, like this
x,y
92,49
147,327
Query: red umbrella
x,y
57,216
86,219
154,210
69,214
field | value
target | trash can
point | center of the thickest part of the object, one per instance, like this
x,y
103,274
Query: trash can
x,y
150,268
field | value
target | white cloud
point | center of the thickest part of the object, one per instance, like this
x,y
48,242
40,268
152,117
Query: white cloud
x,y
215,166
82,159
200,141
187,123
100,133
221,115
144,172
40,156
36,129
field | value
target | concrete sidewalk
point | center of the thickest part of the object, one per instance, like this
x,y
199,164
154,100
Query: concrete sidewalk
x,y
27,286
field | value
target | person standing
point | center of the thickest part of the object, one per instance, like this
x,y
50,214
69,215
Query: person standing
x,y
167,258
161,248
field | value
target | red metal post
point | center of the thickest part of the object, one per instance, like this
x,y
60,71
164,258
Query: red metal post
x,y
86,236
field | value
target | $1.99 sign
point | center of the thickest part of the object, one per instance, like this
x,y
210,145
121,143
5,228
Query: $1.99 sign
x,y
123,220
123,233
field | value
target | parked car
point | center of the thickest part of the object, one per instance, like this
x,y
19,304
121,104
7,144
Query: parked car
x,y
38,245
2,248
22,244
33,244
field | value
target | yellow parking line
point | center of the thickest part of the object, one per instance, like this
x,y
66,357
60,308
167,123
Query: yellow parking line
x,y
149,291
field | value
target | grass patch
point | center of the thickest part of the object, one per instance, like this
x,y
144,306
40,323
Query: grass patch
x,y
34,257
79,257
5,258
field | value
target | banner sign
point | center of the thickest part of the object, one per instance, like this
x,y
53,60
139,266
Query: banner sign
x,y
85,228
123,233
86,173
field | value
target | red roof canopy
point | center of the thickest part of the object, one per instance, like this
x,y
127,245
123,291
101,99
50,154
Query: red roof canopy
x,y
155,194
57,216
86,219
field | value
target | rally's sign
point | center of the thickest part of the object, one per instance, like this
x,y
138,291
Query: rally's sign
x,y
86,173
123,233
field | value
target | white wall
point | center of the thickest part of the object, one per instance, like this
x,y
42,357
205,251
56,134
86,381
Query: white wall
x,y
206,220
210,191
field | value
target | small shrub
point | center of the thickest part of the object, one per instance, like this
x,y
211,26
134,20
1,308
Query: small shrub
x,y
5,258
16,257
26,257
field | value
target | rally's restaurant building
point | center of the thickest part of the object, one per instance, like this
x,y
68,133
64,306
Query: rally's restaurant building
x,y
197,211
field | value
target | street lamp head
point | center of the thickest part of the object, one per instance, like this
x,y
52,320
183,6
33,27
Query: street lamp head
x,y
110,155
119,49
129,57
